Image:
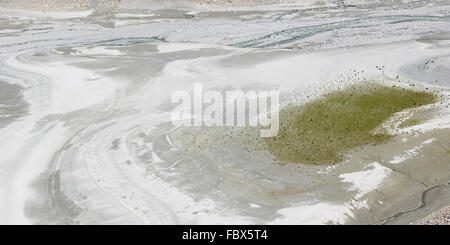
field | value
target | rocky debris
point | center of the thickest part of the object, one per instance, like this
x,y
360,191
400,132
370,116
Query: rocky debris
x,y
440,217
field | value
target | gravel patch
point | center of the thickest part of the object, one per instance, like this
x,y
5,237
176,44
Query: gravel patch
x,y
440,217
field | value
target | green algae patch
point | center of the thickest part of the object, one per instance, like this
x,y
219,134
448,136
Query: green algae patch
x,y
411,122
323,130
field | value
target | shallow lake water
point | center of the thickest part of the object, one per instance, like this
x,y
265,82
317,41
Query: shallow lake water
x,y
85,115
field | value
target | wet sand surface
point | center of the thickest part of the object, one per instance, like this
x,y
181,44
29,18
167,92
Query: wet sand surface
x,y
13,106
86,136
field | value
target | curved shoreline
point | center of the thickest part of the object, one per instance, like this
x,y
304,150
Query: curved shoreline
x,y
94,149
